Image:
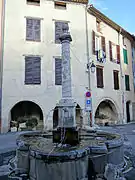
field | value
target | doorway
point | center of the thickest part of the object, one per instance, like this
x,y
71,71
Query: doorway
x,y
128,111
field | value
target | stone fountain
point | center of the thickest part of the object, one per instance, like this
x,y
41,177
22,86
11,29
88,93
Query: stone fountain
x,y
67,153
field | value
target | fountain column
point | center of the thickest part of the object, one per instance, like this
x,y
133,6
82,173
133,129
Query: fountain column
x,y
66,106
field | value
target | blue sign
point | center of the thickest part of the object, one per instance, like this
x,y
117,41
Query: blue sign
x,y
88,102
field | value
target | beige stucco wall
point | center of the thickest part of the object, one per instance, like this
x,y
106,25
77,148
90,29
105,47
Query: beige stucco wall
x,y
47,95
108,90
0,22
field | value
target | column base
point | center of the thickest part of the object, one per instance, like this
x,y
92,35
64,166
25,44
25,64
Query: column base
x,y
70,135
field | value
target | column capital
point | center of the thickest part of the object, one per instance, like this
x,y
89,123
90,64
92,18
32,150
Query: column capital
x,y
66,35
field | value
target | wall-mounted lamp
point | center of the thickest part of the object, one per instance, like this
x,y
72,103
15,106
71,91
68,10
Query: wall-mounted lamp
x,y
91,66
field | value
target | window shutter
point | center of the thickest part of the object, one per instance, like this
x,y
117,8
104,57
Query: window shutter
x,y
32,70
58,30
127,82
118,54
28,70
110,49
116,79
36,73
29,29
93,42
125,56
58,71
103,44
100,77
37,31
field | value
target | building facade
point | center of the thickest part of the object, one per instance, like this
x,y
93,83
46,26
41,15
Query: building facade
x,y
31,62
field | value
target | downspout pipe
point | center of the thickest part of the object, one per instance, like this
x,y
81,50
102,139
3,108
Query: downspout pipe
x,y
1,57
122,83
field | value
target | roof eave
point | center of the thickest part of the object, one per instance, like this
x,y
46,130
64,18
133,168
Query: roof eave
x,y
92,10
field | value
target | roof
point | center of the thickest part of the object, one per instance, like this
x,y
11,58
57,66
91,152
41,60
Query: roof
x,y
92,10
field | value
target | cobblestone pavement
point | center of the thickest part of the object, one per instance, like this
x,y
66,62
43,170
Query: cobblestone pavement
x,y
128,132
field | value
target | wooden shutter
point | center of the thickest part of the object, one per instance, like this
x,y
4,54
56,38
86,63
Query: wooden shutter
x,y
29,29
32,70
100,77
127,82
116,79
28,70
103,44
93,42
58,71
125,56
58,30
118,54
36,73
110,50
37,29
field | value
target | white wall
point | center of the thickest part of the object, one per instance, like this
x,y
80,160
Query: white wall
x,y
47,95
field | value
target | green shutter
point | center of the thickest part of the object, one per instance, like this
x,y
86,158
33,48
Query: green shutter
x,y
125,56
127,86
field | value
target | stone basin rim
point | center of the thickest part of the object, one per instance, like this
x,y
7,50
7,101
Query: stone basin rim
x,y
85,150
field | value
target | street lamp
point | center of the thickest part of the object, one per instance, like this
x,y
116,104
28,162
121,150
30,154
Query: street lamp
x,y
91,66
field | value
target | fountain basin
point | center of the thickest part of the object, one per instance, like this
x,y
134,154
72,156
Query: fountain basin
x,y
42,159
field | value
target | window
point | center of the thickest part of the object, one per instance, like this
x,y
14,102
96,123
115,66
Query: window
x,y
33,29
114,52
127,85
99,73
59,5
116,79
125,56
98,43
58,71
58,30
32,70
34,2
98,26
123,40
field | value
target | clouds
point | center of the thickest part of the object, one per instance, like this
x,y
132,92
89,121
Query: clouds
x,y
99,4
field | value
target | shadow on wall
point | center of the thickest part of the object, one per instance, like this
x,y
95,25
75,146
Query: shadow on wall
x,y
106,113
26,115
78,116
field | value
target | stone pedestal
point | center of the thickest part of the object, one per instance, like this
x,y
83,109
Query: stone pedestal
x,y
66,136
67,131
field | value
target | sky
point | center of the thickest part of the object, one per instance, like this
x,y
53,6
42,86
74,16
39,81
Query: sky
x,y
120,11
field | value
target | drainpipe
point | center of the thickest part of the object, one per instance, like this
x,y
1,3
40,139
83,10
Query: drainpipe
x,y
2,54
122,83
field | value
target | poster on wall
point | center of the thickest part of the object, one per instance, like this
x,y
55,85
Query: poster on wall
x,y
101,56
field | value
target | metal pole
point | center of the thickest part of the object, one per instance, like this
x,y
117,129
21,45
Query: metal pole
x,y
88,62
87,49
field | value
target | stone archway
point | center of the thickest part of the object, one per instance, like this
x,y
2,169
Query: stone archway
x,y
106,113
55,116
26,115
